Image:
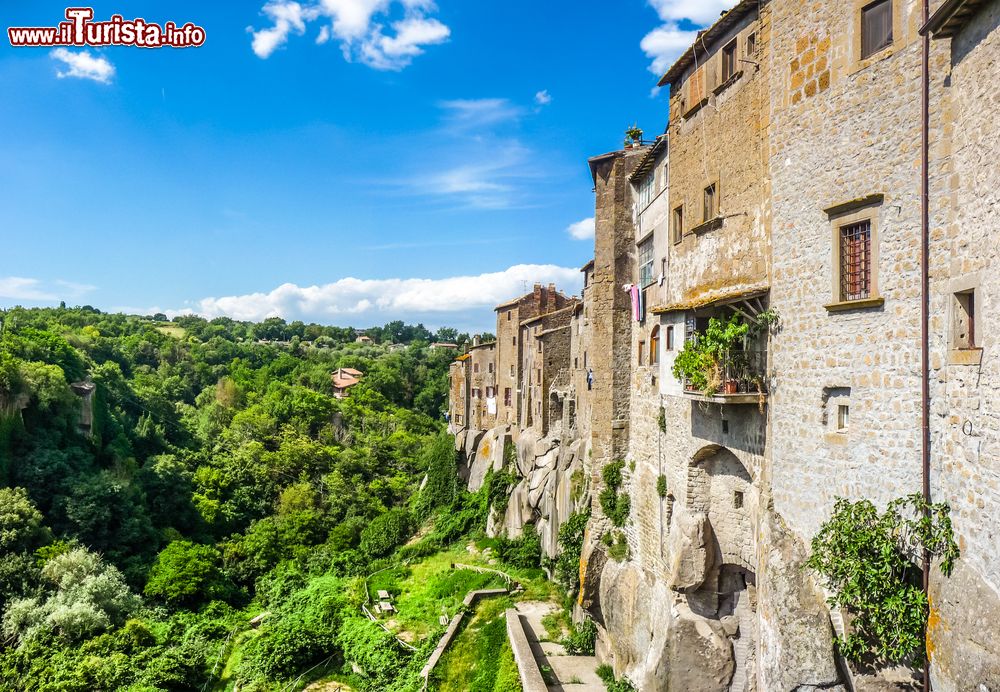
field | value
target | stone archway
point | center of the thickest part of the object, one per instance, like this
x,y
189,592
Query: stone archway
x,y
720,488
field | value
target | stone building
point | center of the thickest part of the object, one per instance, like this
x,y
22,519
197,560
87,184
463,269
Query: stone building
x,y
482,385
965,379
545,359
581,366
458,393
509,356
788,184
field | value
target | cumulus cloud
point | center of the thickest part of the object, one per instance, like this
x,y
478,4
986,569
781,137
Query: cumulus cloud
x,y
542,98
371,301
37,291
582,230
364,28
84,65
667,42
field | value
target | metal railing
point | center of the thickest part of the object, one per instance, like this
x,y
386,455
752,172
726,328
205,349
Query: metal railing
x,y
737,372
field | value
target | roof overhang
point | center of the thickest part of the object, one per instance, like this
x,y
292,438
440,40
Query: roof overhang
x,y
649,159
724,24
595,161
713,300
949,19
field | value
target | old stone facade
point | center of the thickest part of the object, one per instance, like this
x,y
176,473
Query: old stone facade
x,y
785,196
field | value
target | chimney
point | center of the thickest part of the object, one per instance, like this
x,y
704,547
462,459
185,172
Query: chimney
x,y
539,296
476,340
553,297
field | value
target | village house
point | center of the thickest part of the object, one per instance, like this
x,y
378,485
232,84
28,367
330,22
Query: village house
x,y
343,379
482,385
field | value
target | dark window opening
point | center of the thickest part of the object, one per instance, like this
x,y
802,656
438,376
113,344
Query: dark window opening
x,y
729,61
752,43
738,500
711,202
965,320
670,339
677,227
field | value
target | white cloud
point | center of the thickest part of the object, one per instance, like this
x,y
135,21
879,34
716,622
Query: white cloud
x,y
582,230
542,98
371,301
700,12
485,177
35,290
396,52
477,113
84,65
667,42
356,25
288,17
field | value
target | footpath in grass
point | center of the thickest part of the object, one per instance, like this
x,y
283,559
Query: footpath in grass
x,y
426,589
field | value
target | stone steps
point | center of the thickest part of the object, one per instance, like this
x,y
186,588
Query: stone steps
x,y
564,673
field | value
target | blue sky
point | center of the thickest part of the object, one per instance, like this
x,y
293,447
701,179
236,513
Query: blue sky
x,y
342,161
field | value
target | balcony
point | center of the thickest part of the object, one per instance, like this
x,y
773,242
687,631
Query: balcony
x,y
736,377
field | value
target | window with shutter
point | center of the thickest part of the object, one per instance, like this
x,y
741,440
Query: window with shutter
x,y
876,27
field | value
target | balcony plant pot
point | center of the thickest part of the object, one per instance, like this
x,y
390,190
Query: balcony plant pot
x,y
731,387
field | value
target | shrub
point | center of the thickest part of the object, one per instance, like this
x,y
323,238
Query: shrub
x,y
607,674
616,506
580,642
567,565
524,552
386,532
868,560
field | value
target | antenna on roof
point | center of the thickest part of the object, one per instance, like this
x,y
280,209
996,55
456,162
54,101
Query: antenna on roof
x,y
524,285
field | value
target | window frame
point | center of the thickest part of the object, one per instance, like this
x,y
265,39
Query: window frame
x,y
645,253
654,345
855,259
855,214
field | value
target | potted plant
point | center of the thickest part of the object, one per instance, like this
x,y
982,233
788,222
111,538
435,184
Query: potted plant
x,y
707,361
633,136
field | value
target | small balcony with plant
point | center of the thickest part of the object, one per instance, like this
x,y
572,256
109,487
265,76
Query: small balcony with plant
x,y
724,358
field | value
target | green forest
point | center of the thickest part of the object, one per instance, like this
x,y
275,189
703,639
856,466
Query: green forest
x,y
185,505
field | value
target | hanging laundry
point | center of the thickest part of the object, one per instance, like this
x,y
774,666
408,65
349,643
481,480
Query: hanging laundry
x,y
634,294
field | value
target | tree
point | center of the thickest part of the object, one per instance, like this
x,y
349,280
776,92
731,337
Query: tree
x,y
90,597
20,523
185,573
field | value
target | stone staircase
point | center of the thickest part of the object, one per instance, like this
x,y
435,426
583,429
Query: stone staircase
x,y
562,672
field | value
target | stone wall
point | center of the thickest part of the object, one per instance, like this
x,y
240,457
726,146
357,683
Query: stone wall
x,y
722,142
965,417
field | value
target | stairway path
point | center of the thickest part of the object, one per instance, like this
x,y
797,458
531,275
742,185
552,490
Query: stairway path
x,y
568,673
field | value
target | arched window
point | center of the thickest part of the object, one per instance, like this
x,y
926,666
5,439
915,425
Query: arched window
x,y
654,345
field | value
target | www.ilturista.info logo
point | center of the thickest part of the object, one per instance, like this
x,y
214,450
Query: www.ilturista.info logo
x,y
80,30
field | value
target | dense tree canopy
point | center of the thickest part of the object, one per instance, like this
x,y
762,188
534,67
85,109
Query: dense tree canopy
x,y
163,482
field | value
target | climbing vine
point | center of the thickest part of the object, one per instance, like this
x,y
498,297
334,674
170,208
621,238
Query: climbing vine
x,y
567,564
616,505
868,560
661,486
